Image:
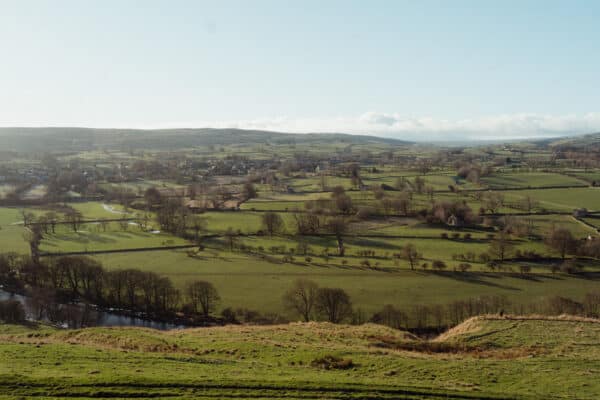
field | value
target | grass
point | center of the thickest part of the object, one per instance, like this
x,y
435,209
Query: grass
x,y
11,234
5,189
530,179
560,199
91,237
496,358
97,210
245,281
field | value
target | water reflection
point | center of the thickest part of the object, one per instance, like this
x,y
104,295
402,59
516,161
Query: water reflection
x,y
42,308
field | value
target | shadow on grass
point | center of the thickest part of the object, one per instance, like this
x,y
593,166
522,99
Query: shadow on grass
x,y
372,243
475,278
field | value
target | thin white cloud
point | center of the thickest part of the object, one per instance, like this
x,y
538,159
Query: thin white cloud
x,y
508,126
396,125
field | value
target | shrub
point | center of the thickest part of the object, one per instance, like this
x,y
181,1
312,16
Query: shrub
x,y
332,362
438,264
464,267
524,269
11,311
484,257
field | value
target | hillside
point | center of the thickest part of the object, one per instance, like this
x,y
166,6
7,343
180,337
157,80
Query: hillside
x,y
81,139
485,357
592,139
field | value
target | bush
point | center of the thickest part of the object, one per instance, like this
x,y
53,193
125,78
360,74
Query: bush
x,y
438,264
484,257
332,362
524,269
464,267
11,311
570,267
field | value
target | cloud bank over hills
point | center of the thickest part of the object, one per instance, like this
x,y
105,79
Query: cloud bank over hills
x,y
396,125
388,125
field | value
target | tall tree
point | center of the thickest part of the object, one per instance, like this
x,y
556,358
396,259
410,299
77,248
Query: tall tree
x,y
562,241
334,304
301,298
272,222
409,253
203,297
338,227
501,246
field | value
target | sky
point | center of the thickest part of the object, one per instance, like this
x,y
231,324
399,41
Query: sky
x,y
406,69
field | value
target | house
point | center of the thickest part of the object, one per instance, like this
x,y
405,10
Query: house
x,y
196,205
453,221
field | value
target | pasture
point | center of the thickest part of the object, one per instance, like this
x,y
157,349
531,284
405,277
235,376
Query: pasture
x,y
486,357
258,284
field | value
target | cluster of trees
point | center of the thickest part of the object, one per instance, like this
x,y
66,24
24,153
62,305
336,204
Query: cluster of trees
x,y
309,301
560,241
79,278
472,171
439,316
442,211
11,312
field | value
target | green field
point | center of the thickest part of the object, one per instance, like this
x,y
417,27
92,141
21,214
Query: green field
x,y
11,232
561,199
246,281
482,358
91,237
530,179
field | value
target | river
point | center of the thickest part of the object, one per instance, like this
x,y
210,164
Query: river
x,y
80,315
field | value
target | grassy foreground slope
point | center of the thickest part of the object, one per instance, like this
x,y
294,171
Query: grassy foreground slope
x,y
485,357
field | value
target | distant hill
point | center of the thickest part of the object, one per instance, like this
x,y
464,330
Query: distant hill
x,y
77,139
592,139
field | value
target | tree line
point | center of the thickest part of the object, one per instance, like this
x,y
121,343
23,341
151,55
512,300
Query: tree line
x,y
83,279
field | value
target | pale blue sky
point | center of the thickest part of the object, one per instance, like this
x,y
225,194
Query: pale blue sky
x,y
505,68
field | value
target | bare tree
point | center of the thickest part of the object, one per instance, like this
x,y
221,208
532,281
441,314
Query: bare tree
x,y
231,238
501,247
74,218
203,297
419,184
307,223
34,235
410,254
249,191
103,224
272,222
301,298
333,304
562,241
198,224
338,227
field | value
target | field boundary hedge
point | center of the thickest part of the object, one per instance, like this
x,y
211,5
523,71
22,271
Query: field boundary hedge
x,y
130,250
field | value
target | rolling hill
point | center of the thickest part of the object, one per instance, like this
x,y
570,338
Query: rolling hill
x,y
483,358
81,139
